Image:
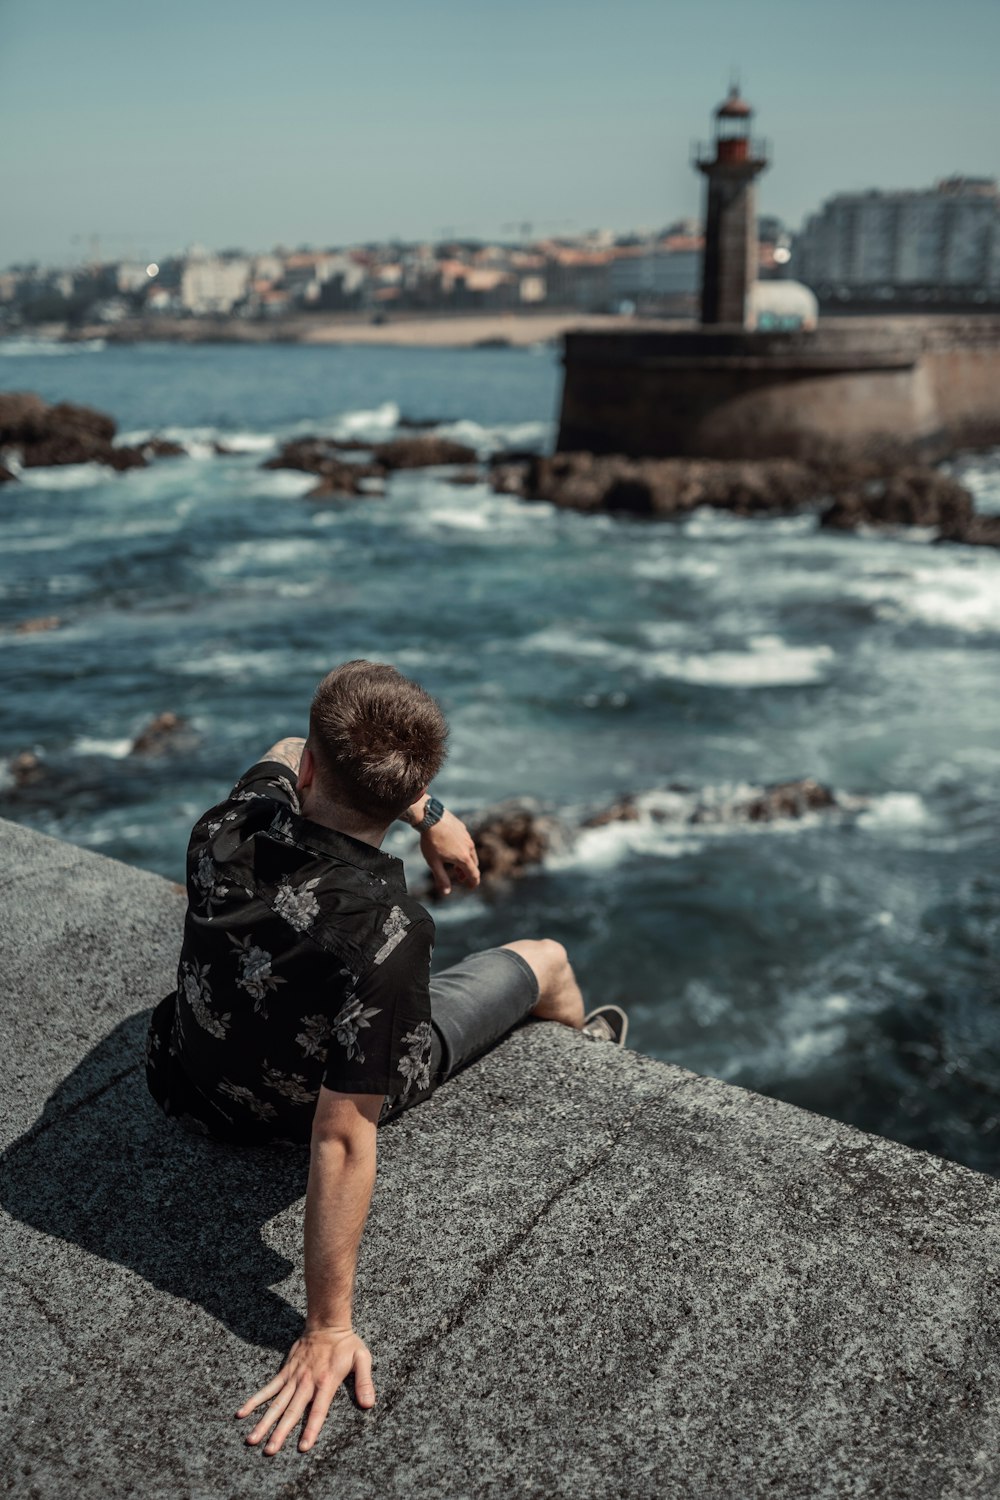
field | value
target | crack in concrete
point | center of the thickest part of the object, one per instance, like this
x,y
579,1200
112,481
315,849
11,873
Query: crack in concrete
x,y
454,1319
46,1312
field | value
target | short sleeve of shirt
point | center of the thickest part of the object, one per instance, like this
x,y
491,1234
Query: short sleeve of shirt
x,y
380,1041
268,778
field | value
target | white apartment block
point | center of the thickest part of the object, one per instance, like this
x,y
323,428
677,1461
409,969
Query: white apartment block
x,y
945,236
213,286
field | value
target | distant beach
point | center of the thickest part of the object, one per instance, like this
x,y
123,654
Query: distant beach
x,y
413,330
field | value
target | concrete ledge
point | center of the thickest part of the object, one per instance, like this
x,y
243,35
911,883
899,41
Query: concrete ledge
x,y
585,1273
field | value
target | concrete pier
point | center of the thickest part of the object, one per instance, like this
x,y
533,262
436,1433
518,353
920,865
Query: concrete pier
x,y
585,1274
851,388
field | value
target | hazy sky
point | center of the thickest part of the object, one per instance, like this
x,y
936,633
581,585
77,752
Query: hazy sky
x,y
252,122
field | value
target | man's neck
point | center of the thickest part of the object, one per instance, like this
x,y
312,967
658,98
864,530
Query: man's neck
x,y
340,819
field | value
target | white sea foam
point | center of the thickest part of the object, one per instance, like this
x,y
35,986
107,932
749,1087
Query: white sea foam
x,y
17,348
769,661
376,425
66,477
956,595
117,749
895,810
261,553
244,664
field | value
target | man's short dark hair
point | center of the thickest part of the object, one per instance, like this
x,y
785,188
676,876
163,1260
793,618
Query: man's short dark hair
x,y
378,738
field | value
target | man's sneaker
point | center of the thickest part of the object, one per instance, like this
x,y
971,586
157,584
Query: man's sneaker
x,y
608,1023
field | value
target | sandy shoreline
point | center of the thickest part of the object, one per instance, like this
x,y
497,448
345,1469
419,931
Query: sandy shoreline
x,y
462,331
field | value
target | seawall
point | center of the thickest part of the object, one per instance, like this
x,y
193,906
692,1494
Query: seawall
x,y
585,1273
853,387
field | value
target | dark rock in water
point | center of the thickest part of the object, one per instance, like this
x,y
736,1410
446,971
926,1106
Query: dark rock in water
x,y
221,451
422,424
910,496
787,799
160,734
783,799
62,434
312,455
348,480
164,448
846,495
37,624
465,476
658,486
978,531
421,453
324,456
625,810
510,838
26,769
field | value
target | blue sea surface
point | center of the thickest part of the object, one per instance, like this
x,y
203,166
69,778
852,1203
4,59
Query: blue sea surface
x,y
846,961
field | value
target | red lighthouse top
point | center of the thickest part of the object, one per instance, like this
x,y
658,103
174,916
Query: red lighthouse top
x,y
734,106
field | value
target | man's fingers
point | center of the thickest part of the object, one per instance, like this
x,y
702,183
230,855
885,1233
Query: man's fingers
x,y
272,1414
265,1394
317,1413
364,1390
440,874
303,1395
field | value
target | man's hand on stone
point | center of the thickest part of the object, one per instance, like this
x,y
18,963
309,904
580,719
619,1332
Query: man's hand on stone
x,y
448,849
317,1365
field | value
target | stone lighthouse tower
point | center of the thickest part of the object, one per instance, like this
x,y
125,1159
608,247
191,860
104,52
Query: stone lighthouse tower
x,y
730,163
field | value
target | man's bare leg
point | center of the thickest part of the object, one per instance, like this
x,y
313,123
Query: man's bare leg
x,y
559,997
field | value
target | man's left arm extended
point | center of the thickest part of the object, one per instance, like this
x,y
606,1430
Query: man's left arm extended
x,y
341,1179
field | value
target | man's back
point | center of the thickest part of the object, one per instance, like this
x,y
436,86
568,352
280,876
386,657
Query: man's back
x,y
304,963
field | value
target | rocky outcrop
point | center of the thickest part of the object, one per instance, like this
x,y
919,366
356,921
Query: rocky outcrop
x,y
512,837
325,457
37,624
656,486
39,436
910,496
846,496
421,453
26,769
516,836
161,734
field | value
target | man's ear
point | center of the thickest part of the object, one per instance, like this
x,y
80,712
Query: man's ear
x,y
307,770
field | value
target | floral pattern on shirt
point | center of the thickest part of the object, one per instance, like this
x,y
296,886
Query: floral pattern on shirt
x,y
415,1063
294,1086
348,1021
254,973
314,1038
238,1091
394,931
297,903
208,881
198,994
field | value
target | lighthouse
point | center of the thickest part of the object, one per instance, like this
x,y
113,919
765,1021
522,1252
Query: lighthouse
x,y
730,163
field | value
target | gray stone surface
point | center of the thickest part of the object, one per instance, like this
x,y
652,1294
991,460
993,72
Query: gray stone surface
x,y
585,1273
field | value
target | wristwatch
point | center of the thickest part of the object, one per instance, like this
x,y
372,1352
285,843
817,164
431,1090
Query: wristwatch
x,y
432,814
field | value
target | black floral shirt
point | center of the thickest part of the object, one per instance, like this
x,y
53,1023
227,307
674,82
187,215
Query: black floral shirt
x,y
304,962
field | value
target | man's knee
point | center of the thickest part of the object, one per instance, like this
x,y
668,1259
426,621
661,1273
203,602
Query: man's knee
x,y
546,956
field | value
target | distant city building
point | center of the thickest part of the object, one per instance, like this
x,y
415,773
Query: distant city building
x,y
658,274
945,237
210,285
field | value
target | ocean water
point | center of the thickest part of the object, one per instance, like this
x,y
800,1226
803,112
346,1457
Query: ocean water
x,y
847,962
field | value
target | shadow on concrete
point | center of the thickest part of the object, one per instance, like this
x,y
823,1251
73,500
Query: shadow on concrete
x,y
103,1169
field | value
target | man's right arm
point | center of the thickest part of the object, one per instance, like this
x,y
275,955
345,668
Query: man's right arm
x,y
341,1179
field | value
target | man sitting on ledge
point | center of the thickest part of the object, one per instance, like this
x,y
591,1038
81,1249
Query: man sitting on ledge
x,y
305,1013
